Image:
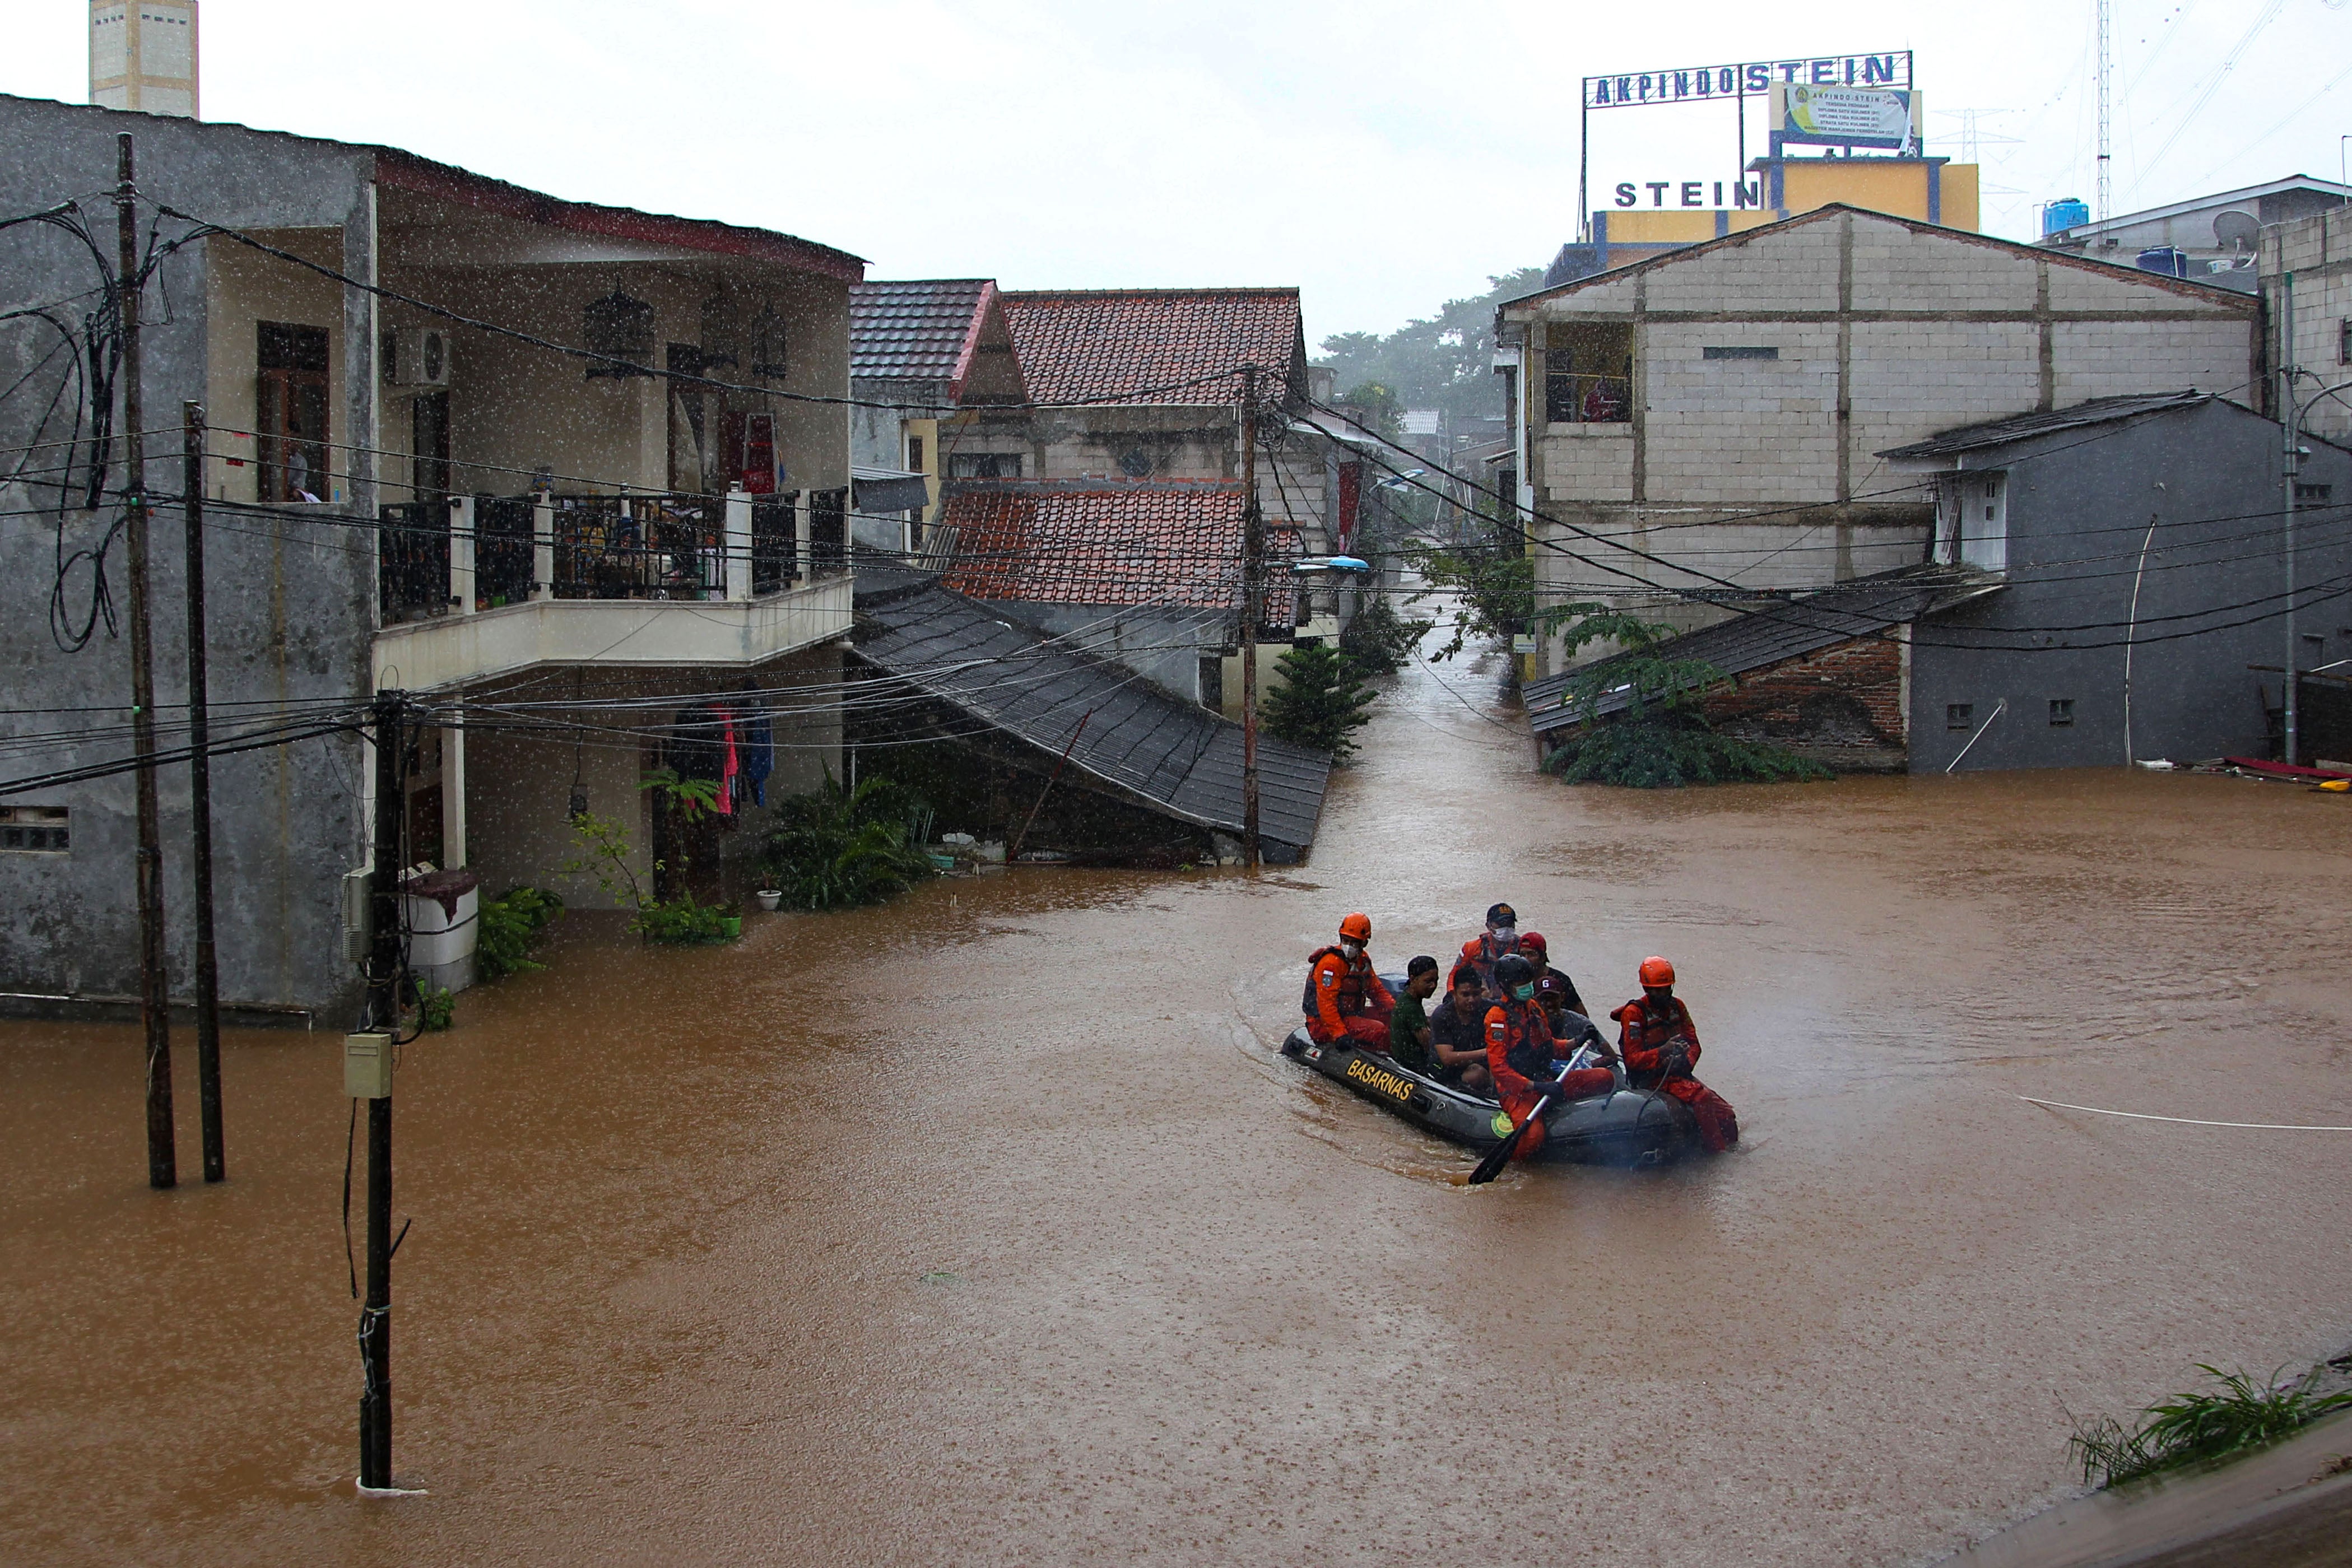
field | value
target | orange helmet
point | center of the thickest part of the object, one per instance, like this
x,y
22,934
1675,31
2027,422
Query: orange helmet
x,y
1656,972
1357,928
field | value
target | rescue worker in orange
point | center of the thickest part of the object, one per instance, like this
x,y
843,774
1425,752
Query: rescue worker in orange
x,y
1661,1046
1519,1049
1483,951
1344,999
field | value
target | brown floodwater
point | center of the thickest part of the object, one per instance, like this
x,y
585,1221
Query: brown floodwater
x,y
990,1226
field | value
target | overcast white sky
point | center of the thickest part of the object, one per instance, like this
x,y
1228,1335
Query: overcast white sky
x,y
1384,156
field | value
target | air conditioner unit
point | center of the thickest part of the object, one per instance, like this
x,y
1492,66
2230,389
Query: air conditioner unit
x,y
416,357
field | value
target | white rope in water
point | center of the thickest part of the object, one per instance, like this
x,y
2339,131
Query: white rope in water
x,y
2187,1121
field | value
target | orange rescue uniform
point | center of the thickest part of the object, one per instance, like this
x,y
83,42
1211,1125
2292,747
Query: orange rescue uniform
x,y
1647,1029
1519,1049
1348,1002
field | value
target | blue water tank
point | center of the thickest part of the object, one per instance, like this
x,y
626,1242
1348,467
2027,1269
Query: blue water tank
x,y
2065,213
2169,260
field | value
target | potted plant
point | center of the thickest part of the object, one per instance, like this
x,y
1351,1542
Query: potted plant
x,y
769,898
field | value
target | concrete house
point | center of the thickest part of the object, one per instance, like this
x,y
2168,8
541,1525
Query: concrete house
x,y
1703,424
925,354
2211,238
2316,253
2104,582
527,496
1124,470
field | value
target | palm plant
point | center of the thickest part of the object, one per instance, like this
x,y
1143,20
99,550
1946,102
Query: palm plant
x,y
835,847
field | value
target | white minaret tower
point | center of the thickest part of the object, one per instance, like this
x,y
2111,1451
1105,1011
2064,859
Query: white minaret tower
x,y
142,56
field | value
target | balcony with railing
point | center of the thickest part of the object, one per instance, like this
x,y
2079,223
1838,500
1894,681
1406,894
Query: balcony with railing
x,y
474,586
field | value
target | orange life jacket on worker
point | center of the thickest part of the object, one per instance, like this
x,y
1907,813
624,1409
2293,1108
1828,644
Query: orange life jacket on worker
x,y
1352,990
1647,1026
1518,1041
1480,954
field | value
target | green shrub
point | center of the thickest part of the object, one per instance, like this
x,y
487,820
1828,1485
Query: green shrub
x,y
682,923
436,1008
1320,702
512,926
2192,1426
833,848
1668,751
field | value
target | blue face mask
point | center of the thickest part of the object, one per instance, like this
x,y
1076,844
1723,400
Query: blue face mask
x,y
1524,992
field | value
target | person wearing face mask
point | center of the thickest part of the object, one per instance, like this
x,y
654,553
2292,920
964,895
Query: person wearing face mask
x,y
1483,951
1661,1046
1519,1049
1344,999
1555,992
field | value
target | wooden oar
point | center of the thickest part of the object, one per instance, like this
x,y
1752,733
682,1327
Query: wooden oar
x,y
1500,1155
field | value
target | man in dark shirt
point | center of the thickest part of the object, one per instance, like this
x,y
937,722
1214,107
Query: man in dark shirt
x,y
1408,1024
1457,1035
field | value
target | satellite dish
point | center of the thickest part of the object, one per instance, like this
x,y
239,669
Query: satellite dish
x,y
2235,229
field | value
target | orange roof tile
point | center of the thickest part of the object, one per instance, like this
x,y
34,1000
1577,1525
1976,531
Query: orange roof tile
x,y
1123,345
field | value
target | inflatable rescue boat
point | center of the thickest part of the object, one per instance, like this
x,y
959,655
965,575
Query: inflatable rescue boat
x,y
1623,1127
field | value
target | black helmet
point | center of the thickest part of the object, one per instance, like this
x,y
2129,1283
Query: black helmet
x,y
1512,971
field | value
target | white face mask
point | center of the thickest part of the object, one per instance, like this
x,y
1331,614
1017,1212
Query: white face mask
x,y
1351,949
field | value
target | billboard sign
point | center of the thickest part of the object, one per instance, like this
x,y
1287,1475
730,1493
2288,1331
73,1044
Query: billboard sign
x,y
1843,116
1748,79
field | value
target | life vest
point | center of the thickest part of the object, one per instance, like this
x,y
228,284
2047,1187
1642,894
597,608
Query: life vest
x,y
1646,1033
1526,1050
1351,991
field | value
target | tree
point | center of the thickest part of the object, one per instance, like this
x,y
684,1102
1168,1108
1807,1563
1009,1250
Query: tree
x,y
1491,578
1320,702
1443,362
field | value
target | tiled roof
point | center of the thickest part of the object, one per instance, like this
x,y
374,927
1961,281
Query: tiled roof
x,y
1114,542
1117,345
915,330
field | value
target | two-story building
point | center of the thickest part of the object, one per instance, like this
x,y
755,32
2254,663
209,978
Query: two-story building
x,y
925,355
577,475
1703,425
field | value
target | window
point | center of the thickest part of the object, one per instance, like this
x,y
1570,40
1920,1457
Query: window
x,y
915,453
2344,342
1960,716
1739,351
2303,492
290,413
40,830
984,466
1588,373
2061,711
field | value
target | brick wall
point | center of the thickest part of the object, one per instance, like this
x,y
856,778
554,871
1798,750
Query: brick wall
x,y
1842,704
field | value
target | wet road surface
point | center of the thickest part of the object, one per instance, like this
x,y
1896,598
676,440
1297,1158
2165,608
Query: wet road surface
x,y
990,1226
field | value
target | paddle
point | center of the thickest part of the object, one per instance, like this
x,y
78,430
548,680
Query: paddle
x,y
1500,1155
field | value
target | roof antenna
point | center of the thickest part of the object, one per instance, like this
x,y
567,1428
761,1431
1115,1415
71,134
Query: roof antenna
x,y
2106,68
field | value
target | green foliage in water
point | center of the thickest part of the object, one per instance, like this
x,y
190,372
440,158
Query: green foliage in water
x,y
512,926
1660,740
1320,702
1378,640
681,922
2192,1426
436,1008
833,848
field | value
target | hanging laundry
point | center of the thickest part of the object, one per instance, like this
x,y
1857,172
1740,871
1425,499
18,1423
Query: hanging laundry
x,y
759,753
732,769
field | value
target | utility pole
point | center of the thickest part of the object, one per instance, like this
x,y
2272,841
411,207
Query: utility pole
x,y
155,975
200,794
2290,464
383,1019
1253,549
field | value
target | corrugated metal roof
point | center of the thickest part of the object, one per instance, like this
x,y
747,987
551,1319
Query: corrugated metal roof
x,y
1768,634
2000,431
1169,755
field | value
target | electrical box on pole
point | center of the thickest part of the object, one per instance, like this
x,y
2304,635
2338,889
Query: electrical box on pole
x,y
367,1066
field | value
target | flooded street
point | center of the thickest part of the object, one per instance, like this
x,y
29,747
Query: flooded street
x,y
990,1226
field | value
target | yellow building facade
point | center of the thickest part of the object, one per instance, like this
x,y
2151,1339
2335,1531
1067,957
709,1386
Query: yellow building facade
x,y
1926,190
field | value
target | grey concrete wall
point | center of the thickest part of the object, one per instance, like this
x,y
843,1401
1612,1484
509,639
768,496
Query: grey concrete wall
x,y
290,594
2079,506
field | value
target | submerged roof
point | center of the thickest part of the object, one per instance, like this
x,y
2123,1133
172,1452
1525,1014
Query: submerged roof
x,y
2000,431
1766,635
1175,543
915,330
1117,728
1151,345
